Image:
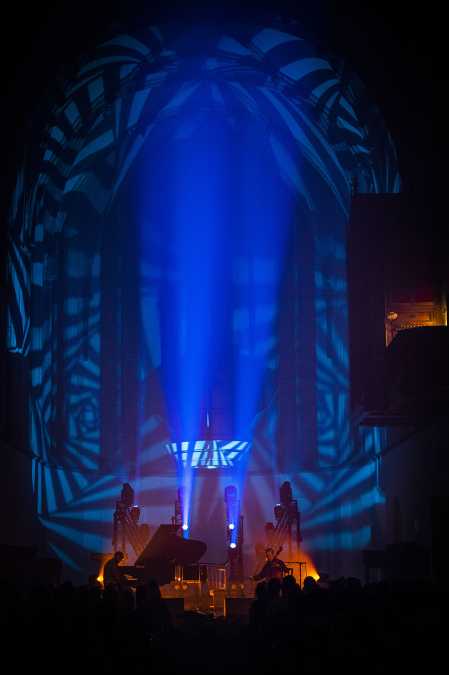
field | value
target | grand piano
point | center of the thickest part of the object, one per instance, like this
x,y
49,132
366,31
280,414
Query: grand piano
x,y
165,550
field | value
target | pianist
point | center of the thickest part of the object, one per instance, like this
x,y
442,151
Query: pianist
x,y
112,573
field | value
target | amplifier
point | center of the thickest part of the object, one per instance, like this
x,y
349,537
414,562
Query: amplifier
x,y
238,607
175,607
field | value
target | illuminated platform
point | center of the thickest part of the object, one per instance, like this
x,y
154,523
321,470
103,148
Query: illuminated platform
x,y
205,454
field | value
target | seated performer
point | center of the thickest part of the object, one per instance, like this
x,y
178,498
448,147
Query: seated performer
x,y
274,568
112,574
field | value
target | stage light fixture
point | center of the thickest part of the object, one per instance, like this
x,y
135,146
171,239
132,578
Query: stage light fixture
x,y
185,527
232,544
231,526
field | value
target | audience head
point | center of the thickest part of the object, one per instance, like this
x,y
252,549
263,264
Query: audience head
x,y
274,588
141,595
261,590
153,589
309,585
289,584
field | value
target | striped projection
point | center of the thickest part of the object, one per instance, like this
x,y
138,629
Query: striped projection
x,y
134,363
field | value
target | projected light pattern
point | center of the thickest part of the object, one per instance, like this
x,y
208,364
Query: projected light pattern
x,y
317,107
208,454
94,320
338,507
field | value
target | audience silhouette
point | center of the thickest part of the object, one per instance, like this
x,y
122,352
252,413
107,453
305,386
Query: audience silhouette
x,y
289,629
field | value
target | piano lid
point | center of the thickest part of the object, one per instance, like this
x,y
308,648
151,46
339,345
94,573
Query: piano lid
x,y
167,544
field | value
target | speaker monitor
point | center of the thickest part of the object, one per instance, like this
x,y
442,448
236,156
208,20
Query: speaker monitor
x,y
175,607
238,607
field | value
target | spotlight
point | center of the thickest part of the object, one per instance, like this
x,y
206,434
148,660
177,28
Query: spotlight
x,y
231,526
232,545
185,527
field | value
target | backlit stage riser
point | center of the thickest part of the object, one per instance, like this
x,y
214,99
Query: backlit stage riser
x,y
204,600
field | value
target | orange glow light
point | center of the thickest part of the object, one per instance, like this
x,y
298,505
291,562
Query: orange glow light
x,y
308,571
